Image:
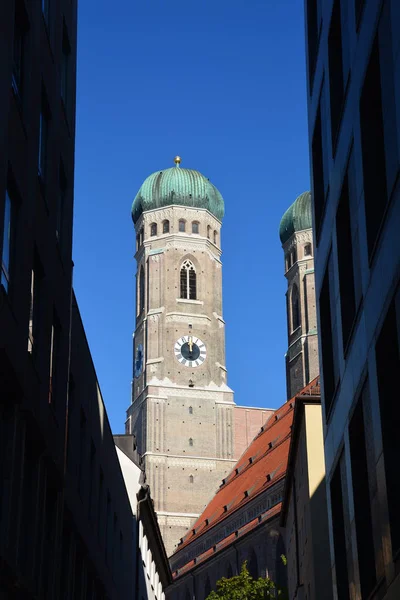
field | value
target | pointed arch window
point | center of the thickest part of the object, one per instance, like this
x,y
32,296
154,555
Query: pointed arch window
x,y
307,250
188,280
195,227
153,229
141,289
182,225
190,441
215,237
190,410
165,226
209,232
191,479
295,307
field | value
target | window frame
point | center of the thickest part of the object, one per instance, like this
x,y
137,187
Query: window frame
x,y
153,229
188,280
165,226
195,225
182,226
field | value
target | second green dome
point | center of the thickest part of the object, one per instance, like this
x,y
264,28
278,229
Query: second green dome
x,y
185,187
297,217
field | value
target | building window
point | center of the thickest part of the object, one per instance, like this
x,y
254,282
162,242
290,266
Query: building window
x,y
36,276
8,235
294,256
43,140
295,301
62,189
318,191
387,351
141,289
53,361
312,38
339,534
20,28
182,225
45,10
215,237
208,232
287,261
329,349
336,85
141,236
195,227
190,410
190,441
65,66
165,227
374,146
153,229
307,250
361,495
188,281
345,263
191,479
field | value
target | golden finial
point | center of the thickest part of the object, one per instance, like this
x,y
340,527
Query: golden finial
x,y
177,161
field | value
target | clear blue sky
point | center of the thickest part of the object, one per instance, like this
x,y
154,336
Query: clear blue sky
x,y
222,84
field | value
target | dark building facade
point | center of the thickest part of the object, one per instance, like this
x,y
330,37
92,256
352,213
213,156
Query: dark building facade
x,y
353,56
65,518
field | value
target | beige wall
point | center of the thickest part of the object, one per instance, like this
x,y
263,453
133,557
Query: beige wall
x,y
306,522
248,422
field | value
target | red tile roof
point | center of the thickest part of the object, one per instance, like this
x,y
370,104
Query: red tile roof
x,y
260,467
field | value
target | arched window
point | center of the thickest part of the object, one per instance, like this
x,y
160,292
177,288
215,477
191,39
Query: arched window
x,y
294,256
190,441
295,308
141,289
182,225
195,227
141,236
138,241
191,478
165,226
209,232
307,250
153,229
190,410
188,281
215,237
287,261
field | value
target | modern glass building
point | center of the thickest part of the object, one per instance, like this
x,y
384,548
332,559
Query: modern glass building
x,y
353,61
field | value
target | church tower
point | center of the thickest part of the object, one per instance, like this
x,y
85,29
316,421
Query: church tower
x,y
182,410
295,231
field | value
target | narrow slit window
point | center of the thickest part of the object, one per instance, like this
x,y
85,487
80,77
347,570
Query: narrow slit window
x,y
190,441
295,308
215,237
208,232
191,479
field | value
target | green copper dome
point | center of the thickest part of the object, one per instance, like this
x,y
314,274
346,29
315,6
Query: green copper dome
x,y
297,217
177,185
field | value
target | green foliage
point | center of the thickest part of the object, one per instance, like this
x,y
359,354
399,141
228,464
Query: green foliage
x,y
244,587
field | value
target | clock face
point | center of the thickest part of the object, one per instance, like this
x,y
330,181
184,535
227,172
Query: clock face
x,y
138,360
190,351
